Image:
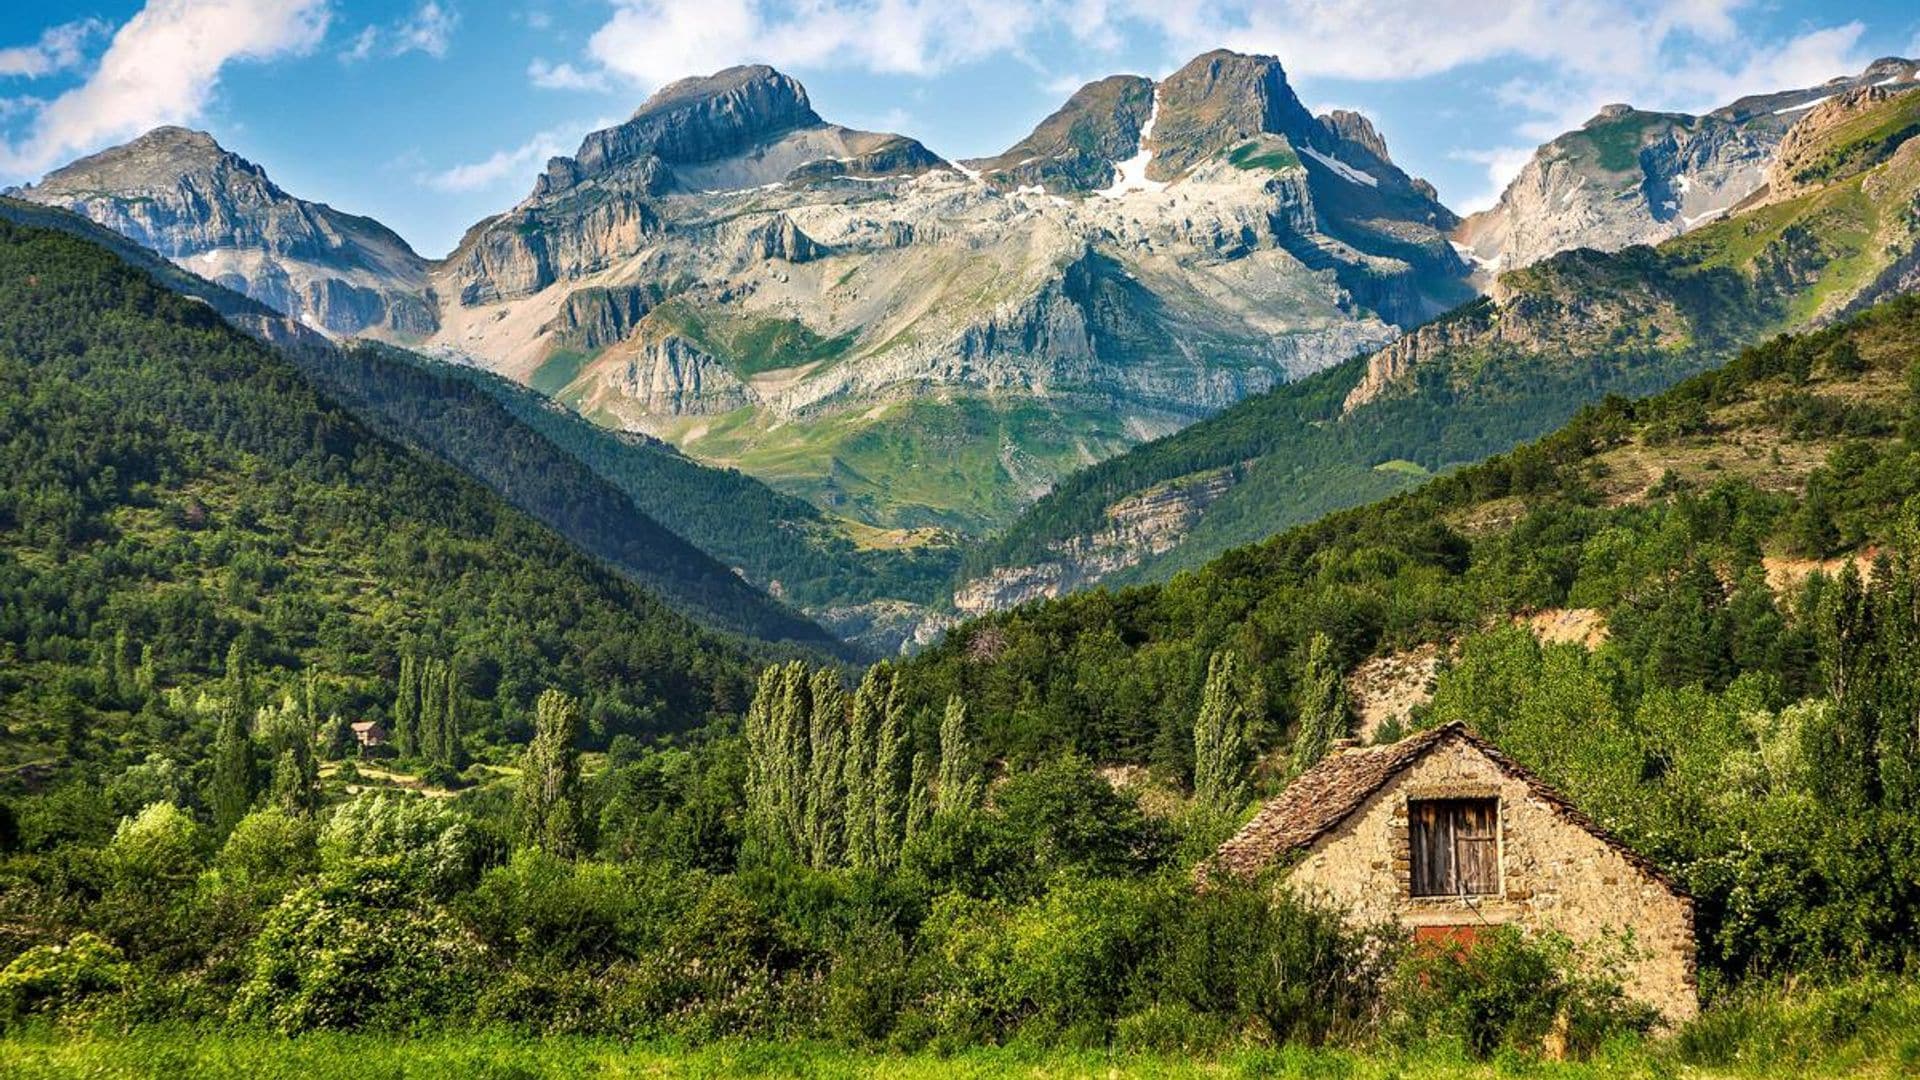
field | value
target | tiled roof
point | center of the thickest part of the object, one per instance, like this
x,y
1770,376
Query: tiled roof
x,y
1322,797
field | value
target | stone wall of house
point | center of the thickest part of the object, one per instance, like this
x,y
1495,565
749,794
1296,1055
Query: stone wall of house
x,y
1554,874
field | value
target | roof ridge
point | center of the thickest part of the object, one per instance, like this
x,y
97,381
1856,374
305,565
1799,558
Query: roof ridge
x,y
1318,800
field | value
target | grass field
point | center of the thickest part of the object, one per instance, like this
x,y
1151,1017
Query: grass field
x,y
182,1052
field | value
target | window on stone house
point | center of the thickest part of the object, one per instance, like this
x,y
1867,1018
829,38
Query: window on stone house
x,y
1455,846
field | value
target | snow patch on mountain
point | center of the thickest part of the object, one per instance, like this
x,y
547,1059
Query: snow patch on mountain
x,y
1340,168
1131,174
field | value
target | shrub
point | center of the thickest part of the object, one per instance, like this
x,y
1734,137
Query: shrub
x,y
359,951
428,846
1270,963
1510,991
269,847
156,851
56,979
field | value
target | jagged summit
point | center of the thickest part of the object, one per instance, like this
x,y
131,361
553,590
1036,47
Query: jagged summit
x,y
748,112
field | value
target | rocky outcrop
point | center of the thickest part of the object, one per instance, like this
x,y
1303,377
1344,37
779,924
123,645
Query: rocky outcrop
x,y
1808,157
1139,526
1356,131
217,214
593,318
672,376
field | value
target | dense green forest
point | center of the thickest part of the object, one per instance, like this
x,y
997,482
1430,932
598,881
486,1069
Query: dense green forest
x,y
1564,333
419,403
175,492
207,567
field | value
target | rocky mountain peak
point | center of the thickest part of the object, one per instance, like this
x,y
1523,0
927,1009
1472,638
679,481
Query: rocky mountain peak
x,y
219,215
160,160
1219,99
698,121
1355,128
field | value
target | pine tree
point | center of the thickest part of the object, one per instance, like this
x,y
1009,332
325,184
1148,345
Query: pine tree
x,y
548,806
1322,703
1222,736
406,705
230,792
962,784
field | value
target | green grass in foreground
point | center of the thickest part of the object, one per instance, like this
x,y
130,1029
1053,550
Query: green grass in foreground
x,y
185,1052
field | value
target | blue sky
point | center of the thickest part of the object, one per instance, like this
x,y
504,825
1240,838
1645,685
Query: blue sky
x,y
431,114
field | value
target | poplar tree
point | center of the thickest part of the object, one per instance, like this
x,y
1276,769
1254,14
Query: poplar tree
x,y
892,769
863,733
406,705
231,790
452,750
1222,736
777,749
825,795
549,803
962,784
1322,701
428,729
919,800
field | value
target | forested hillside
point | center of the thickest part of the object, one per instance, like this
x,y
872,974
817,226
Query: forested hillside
x,y
177,499
1559,334
419,403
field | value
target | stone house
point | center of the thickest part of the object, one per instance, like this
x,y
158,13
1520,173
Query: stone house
x,y
1446,835
369,734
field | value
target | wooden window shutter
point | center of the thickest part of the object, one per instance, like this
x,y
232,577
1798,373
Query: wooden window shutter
x,y
1454,847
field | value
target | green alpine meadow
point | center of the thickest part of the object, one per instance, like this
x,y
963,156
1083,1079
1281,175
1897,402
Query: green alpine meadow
x,y
1144,577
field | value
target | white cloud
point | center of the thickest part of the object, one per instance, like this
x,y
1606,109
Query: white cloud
x,y
652,42
428,30
564,76
60,48
515,163
162,67
1502,163
1065,85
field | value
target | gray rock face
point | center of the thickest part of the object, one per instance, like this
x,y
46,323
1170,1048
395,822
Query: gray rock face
x,y
213,212
1633,177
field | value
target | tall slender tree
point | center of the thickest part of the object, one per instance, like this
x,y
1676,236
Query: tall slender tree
x,y
231,790
892,769
406,705
453,749
1322,703
1222,735
549,806
962,782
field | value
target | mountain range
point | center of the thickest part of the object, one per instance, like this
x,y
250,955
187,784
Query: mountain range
x,y
1031,362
